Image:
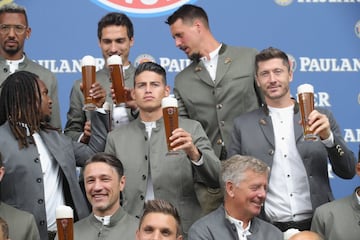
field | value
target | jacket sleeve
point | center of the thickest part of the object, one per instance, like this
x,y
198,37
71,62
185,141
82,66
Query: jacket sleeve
x,y
342,159
208,172
76,117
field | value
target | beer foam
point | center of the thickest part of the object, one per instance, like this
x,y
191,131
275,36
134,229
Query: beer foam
x,y
63,211
88,61
169,102
305,88
114,60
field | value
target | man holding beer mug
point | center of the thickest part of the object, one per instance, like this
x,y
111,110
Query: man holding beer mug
x,y
116,37
151,170
299,180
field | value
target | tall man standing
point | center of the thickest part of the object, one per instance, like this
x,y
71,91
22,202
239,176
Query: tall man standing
x,y
299,180
14,29
219,84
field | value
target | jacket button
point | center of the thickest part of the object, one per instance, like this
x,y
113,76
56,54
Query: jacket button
x,y
143,176
40,201
219,141
36,160
39,180
219,106
271,152
141,197
222,123
42,222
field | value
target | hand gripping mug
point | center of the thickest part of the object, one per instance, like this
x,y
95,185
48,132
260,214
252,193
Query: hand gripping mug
x,y
88,78
117,78
171,119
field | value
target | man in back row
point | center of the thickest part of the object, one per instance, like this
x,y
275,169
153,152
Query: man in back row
x,y
219,84
116,37
14,30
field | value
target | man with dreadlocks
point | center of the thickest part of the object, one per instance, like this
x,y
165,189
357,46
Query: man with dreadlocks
x,y
41,162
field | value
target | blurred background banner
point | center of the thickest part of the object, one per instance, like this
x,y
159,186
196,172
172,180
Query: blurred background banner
x,y
322,38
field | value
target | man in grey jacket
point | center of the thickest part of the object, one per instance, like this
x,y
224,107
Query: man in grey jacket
x,y
104,182
299,180
22,225
245,181
141,146
41,162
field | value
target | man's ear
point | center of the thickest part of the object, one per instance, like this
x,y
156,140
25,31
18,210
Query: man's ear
x,y
2,172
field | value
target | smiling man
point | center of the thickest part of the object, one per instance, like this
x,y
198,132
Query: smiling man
x,y
245,181
104,180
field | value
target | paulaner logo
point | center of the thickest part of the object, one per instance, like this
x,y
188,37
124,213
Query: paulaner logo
x,y
142,8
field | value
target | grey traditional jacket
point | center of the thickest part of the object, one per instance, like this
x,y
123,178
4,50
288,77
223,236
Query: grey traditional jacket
x,y
216,226
22,186
173,176
22,225
339,219
254,135
121,226
215,104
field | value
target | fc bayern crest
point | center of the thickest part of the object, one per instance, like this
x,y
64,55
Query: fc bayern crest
x,y
142,8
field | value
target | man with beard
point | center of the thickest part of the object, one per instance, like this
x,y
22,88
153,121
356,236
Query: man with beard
x,y
14,29
41,162
219,84
299,180
215,88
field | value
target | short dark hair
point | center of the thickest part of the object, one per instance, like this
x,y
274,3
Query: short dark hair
x,y
14,8
5,228
270,53
188,13
118,19
161,206
108,159
152,67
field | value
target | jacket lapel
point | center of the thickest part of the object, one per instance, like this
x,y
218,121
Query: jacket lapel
x,y
266,127
224,62
203,74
